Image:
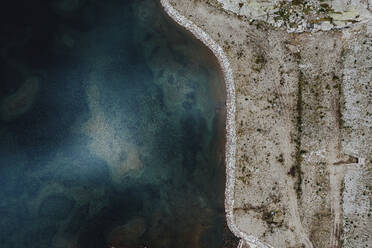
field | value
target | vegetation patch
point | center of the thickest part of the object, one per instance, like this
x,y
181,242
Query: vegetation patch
x,y
296,169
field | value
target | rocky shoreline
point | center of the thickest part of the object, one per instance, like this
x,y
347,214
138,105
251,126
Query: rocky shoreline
x,y
230,146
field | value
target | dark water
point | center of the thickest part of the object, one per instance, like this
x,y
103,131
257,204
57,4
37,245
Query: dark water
x,y
111,129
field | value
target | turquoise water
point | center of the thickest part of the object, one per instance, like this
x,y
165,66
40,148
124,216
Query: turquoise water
x,y
112,129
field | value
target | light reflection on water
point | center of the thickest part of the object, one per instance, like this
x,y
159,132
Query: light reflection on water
x,y
120,144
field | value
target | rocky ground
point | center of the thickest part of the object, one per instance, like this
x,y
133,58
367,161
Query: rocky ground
x,y
303,118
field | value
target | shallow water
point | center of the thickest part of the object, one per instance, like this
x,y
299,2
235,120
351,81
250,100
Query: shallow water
x,y
111,126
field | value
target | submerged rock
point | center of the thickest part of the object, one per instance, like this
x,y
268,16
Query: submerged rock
x,y
21,101
56,207
66,6
128,234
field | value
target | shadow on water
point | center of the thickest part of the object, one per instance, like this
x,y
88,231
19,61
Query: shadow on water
x,y
112,129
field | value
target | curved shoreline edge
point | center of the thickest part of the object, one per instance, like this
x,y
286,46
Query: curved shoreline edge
x,y
230,146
